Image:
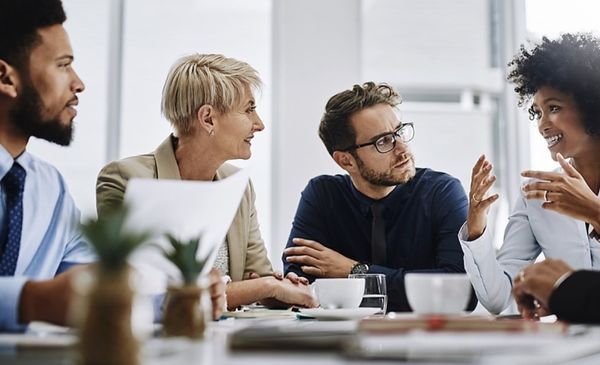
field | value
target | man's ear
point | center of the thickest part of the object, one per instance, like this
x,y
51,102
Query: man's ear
x,y
8,79
205,118
345,160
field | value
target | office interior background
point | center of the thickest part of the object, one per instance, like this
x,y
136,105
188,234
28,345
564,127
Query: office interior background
x,y
447,59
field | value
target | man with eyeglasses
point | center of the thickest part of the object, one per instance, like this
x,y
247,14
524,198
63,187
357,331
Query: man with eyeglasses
x,y
385,216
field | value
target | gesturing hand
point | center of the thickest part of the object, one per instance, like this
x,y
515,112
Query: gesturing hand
x,y
318,260
565,193
479,206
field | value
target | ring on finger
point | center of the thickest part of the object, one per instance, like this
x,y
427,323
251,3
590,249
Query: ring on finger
x,y
521,276
546,196
475,199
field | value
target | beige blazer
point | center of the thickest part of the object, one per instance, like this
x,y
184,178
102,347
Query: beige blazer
x,y
247,251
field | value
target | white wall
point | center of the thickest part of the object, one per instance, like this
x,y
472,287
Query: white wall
x,y
87,25
428,43
157,33
448,138
316,53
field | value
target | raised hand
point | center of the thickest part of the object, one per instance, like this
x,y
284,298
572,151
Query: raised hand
x,y
318,260
566,193
482,180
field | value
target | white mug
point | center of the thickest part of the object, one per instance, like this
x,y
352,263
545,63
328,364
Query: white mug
x,y
339,293
437,293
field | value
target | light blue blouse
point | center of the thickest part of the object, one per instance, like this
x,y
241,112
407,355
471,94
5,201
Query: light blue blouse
x,y
531,230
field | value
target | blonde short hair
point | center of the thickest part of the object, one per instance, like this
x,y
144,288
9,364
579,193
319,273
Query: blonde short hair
x,y
204,79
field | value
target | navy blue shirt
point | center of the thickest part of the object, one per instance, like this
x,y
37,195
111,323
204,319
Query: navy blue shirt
x,y
422,218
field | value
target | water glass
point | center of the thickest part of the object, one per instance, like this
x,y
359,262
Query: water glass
x,y
375,294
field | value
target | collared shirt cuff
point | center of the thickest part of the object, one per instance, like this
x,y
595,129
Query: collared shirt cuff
x,y
10,290
562,278
463,235
478,246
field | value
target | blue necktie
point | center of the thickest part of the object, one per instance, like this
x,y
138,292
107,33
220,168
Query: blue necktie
x,y
13,184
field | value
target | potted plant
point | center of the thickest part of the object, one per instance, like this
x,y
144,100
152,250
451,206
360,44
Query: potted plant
x,y
106,335
183,315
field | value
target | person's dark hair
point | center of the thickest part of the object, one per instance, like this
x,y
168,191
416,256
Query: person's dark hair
x,y
335,129
569,64
19,22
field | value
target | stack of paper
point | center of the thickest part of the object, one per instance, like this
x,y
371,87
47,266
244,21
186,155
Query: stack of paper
x,y
456,323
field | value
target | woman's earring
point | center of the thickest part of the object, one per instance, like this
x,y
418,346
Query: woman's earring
x,y
211,133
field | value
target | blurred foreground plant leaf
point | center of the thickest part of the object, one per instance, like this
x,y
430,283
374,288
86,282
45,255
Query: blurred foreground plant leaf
x,y
183,255
112,242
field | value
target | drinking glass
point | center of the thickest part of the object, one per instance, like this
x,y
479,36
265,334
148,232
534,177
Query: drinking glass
x,y
375,295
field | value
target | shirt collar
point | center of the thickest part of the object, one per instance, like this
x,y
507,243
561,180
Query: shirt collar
x,y
364,202
6,161
166,163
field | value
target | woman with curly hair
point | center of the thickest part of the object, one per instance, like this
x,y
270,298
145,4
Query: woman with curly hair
x,y
558,212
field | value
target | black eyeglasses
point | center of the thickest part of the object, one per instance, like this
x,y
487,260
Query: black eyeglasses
x,y
387,142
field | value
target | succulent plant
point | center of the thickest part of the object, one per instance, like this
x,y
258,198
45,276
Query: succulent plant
x,y
183,255
106,336
111,241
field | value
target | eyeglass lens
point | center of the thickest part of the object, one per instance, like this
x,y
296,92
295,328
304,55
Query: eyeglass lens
x,y
388,142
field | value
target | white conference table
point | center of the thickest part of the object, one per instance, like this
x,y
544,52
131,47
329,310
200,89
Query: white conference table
x,y
51,347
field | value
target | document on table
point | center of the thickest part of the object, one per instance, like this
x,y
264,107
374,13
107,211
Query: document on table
x,y
186,210
484,347
259,312
286,334
39,335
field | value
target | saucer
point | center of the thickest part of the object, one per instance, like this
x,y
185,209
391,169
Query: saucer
x,y
338,314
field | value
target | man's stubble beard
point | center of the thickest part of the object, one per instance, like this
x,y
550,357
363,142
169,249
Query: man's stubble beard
x,y
386,178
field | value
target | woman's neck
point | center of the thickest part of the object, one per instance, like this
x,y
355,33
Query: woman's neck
x,y
196,159
589,168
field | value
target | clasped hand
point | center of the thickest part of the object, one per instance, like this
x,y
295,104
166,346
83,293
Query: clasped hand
x,y
534,285
317,260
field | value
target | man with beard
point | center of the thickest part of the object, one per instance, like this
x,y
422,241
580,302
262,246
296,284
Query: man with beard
x,y
385,216
39,235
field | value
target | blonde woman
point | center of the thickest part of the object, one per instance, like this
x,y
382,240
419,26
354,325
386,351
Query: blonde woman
x,y
209,101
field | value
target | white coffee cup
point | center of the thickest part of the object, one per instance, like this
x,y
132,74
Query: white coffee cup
x,y
437,293
339,293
